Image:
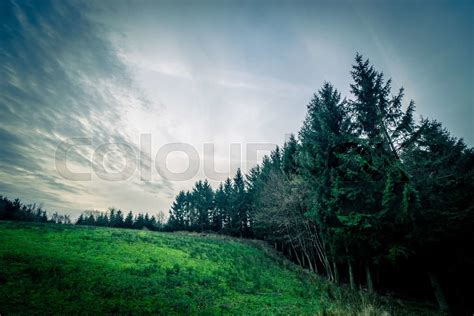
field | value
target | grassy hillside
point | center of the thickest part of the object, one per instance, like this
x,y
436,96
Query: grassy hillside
x,y
66,269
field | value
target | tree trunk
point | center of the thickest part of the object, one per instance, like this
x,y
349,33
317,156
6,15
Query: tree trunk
x,y
370,284
438,292
351,275
315,264
296,256
309,261
336,273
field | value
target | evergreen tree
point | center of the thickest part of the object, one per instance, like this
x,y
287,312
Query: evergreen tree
x,y
146,220
139,221
80,220
239,220
102,220
220,207
177,213
203,203
153,224
440,235
370,184
128,222
289,156
226,206
326,131
90,220
119,219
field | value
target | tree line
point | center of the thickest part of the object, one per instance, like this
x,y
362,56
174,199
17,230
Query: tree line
x,y
15,210
224,211
363,194
116,218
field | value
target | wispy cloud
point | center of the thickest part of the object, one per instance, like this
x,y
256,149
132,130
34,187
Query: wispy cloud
x,y
61,79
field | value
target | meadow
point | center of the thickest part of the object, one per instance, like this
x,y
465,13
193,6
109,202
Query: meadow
x,y
64,269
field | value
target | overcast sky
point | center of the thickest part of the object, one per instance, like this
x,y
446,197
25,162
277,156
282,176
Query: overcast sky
x,y
200,72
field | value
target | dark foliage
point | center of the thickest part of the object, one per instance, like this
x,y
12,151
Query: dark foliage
x,y
115,218
17,211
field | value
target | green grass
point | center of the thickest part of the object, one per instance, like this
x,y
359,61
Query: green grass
x,y
46,268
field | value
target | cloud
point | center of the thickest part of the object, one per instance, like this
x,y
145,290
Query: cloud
x,y
169,68
62,79
199,73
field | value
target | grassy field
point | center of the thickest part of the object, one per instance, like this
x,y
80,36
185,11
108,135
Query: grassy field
x,y
58,269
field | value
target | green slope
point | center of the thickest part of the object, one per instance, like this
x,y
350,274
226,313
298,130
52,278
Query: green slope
x,y
66,269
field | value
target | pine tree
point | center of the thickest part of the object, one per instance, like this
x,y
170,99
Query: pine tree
x,y
119,219
112,219
254,183
128,222
227,207
177,217
442,171
90,220
372,183
203,203
289,156
146,221
220,206
326,131
239,212
80,220
139,221
153,224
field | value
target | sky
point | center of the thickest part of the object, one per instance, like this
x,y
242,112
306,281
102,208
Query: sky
x,y
124,103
